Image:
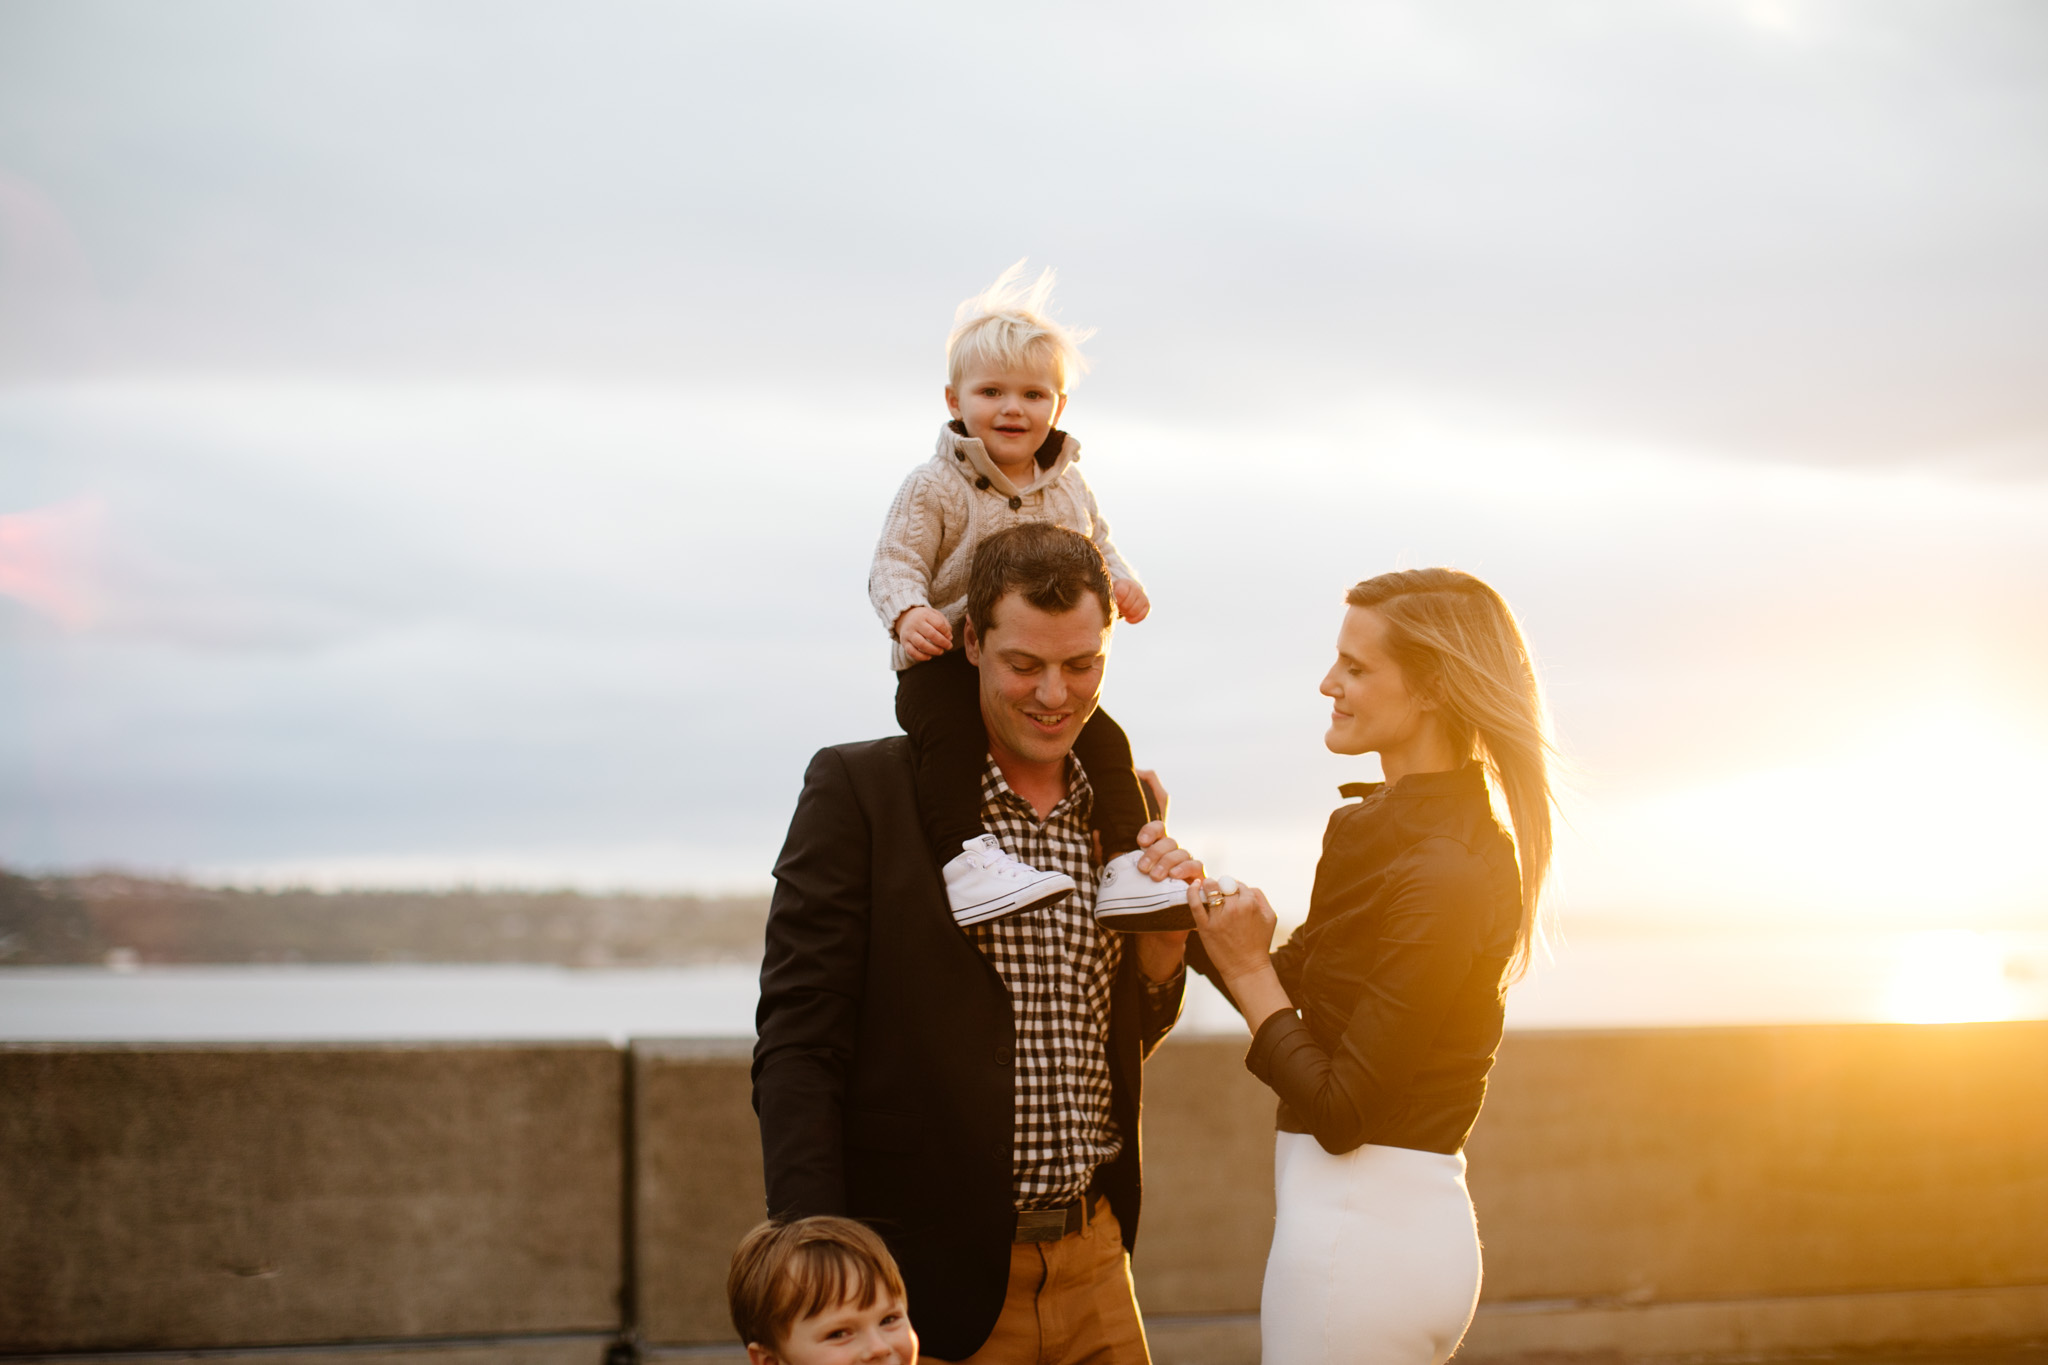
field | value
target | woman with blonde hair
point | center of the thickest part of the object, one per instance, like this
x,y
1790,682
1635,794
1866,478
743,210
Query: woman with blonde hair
x,y
1377,1021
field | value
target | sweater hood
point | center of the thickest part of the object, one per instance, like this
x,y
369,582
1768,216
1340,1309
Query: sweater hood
x,y
971,458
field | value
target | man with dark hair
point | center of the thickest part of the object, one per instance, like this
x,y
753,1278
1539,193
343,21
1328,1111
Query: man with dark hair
x,y
1050,567
972,1092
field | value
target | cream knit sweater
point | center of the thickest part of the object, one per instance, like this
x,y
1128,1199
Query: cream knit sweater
x,y
943,510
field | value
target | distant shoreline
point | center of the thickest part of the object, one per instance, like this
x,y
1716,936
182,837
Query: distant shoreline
x,y
114,917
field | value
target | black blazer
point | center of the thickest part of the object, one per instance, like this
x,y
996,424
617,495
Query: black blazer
x,y
882,1074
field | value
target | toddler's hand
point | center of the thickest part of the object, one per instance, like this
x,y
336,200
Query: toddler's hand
x,y
1131,602
924,633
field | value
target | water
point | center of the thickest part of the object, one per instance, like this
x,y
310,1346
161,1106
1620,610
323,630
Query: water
x,y
1940,976
1600,983
357,1003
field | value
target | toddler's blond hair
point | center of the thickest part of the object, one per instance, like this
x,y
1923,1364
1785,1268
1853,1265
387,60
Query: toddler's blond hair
x,y
1007,325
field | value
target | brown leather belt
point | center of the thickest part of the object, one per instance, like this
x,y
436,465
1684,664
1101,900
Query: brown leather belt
x,y
1049,1225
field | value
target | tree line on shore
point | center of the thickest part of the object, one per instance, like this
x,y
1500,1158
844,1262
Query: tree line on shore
x,y
113,917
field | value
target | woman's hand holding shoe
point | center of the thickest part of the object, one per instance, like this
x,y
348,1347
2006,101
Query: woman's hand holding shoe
x,y
1236,924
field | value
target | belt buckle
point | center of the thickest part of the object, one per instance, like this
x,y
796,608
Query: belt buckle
x,y
1043,1225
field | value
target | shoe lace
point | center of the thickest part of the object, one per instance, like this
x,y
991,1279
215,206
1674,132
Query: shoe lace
x,y
993,857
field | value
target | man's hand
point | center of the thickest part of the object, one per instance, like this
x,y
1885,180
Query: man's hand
x,y
1164,858
1131,602
1160,954
924,633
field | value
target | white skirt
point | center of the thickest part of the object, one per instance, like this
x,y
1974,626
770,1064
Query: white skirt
x,y
1375,1256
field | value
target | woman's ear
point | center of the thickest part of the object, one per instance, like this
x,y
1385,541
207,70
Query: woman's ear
x,y
1427,687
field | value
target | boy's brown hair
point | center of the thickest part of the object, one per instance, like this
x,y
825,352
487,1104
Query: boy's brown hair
x,y
783,1273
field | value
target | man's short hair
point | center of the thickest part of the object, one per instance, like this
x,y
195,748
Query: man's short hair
x,y
783,1273
1050,566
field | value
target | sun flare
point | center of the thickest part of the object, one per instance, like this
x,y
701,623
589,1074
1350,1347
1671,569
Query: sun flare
x,y
1949,977
1867,834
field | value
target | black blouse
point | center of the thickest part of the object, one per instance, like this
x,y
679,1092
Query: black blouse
x,y
1398,972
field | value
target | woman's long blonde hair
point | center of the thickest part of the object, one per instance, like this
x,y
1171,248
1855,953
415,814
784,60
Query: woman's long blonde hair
x,y
1459,646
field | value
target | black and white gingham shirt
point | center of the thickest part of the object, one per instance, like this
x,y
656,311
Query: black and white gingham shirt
x,y
1059,965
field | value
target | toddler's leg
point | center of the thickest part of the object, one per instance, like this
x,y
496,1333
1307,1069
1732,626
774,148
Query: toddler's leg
x,y
1126,900
1120,808
938,704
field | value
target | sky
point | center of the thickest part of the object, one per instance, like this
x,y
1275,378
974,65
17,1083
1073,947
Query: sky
x,y
444,442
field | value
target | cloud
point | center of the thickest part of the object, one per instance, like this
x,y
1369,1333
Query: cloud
x,y
46,560
48,299
498,629
489,408
1794,231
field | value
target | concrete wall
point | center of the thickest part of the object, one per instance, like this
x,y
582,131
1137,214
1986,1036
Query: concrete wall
x,y
697,1183
1760,1188
1208,1181
1651,1193
237,1196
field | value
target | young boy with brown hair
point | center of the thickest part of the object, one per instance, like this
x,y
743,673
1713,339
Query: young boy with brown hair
x,y
819,1291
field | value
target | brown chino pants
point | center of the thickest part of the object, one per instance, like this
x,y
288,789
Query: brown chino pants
x,y
1069,1303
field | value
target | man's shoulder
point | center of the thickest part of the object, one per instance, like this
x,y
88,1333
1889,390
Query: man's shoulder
x,y
889,749
869,781
869,762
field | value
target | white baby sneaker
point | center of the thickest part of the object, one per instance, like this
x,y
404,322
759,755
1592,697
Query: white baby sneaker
x,y
1130,902
986,883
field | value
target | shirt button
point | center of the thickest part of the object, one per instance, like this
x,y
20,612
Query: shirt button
x,y
1003,1055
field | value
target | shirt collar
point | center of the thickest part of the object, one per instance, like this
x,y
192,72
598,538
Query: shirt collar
x,y
1464,779
1079,800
